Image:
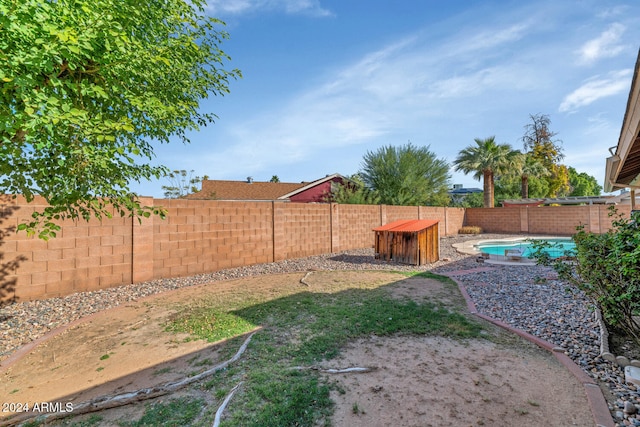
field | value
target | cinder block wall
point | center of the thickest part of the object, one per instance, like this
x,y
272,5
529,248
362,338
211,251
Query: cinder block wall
x,y
496,220
351,226
555,220
201,236
84,256
451,219
300,230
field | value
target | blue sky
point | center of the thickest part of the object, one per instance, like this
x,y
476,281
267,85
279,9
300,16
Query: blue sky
x,y
325,81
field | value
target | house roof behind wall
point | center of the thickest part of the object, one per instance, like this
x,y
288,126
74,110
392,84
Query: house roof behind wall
x,y
255,190
244,190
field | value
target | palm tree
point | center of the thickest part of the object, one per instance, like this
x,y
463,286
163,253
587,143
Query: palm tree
x,y
530,166
486,159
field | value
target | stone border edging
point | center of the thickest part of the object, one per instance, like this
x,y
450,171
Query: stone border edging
x,y
599,407
621,361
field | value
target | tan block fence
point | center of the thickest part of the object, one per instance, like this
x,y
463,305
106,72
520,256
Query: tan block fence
x,y
201,236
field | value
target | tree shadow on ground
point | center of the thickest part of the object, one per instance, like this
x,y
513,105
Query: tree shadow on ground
x,y
302,325
358,259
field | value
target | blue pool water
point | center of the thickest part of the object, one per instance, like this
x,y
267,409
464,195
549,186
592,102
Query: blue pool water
x,y
559,246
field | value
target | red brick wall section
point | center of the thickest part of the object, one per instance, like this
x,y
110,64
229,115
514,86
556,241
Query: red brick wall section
x,y
201,236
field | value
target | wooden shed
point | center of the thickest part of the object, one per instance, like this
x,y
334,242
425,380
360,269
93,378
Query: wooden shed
x,y
414,241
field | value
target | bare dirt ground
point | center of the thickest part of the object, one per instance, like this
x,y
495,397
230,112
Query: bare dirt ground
x,y
419,381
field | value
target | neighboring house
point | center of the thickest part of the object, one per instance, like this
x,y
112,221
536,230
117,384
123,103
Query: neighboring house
x,y
250,190
459,192
623,167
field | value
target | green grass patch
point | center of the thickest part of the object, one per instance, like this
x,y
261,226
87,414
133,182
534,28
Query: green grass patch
x,y
430,275
210,323
176,412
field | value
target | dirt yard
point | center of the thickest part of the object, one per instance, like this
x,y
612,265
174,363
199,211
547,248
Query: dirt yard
x,y
418,381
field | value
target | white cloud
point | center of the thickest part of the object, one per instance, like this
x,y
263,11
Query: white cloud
x,y
596,88
606,45
237,7
379,96
613,12
490,39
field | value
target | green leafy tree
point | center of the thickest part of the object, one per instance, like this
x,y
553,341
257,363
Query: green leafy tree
x,y
510,187
87,86
406,175
473,200
353,192
274,178
181,183
539,143
528,167
485,160
583,184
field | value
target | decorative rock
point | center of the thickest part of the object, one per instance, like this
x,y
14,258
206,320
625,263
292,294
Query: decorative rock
x,y
550,309
622,361
629,408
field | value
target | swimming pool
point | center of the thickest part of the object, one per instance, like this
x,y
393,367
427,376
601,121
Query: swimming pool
x,y
524,248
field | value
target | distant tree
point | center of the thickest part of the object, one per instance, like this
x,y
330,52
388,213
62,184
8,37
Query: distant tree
x,y
473,200
540,144
406,175
353,192
538,140
510,187
485,160
528,167
274,178
87,86
583,184
181,183
559,181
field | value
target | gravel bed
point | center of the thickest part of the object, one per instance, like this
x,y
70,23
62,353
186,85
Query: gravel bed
x,y
530,298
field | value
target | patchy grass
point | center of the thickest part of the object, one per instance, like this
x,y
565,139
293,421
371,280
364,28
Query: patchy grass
x,y
210,323
300,328
429,275
176,412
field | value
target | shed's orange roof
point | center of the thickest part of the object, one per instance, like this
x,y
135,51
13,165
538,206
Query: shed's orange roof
x,y
408,225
